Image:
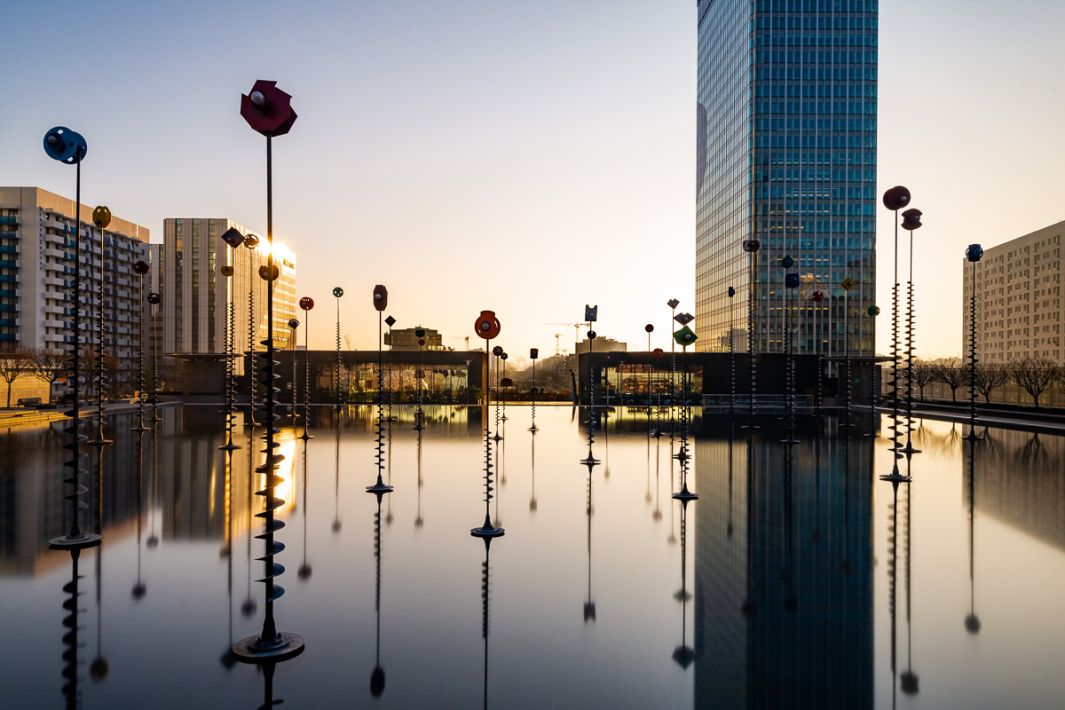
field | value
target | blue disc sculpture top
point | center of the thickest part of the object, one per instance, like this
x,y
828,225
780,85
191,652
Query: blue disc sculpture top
x,y
65,145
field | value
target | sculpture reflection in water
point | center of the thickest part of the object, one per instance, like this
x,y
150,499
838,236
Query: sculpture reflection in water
x,y
589,510
304,571
418,519
98,668
486,584
377,676
972,621
72,609
228,659
139,588
683,655
778,616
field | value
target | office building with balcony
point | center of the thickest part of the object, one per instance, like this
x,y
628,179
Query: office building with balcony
x,y
37,246
1020,299
786,155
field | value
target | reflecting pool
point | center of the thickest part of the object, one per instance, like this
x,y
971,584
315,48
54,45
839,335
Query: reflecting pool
x,y
796,580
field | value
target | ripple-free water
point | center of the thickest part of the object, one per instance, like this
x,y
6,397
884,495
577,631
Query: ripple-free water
x,y
805,581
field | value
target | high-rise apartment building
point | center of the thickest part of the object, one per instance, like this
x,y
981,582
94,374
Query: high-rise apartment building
x,y
1020,299
36,277
194,290
786,154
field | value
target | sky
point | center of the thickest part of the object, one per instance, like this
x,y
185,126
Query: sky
x,y
524,157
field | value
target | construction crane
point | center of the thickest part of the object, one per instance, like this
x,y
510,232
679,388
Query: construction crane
x,y
347,341
558,348
576,332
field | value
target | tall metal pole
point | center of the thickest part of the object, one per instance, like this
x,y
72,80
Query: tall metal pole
x,y
911,221
895,199
251,242
140,268
101,217
973,254
306,304
67,146
262,108
751,246
337,293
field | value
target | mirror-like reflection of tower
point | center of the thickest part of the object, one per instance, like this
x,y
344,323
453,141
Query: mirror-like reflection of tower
x,y
781,620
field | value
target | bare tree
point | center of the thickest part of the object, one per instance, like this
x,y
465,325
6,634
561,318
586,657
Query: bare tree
x,y
14,363
951,372
1034,376
48,366
989,378
924,374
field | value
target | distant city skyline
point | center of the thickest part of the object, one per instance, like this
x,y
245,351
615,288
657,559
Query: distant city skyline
x,y
528,158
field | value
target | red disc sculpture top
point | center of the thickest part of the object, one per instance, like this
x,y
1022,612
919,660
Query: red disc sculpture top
x,y
267,109
487,325
306,303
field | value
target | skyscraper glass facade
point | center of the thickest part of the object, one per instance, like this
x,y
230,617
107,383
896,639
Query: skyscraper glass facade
x,y
786,154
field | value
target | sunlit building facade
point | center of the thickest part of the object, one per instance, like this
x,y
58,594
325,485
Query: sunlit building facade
x,y
786,154
187,272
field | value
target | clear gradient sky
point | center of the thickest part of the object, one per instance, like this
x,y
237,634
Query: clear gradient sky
x,y
527,156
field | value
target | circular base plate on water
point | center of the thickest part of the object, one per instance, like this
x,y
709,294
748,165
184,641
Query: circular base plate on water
x,y
74,543
249,651
379,488
487,532
685,495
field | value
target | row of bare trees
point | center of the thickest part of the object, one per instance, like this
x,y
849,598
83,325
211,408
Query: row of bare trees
x,y
1036,376
46,365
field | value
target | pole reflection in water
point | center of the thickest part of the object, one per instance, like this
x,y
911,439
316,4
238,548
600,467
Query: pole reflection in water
x,y
304,572
972,621
683,655
909,682
533,505
249,607
418,519
71,607
486,583
336,474
139,587
589,605
99,666
228,659
377,676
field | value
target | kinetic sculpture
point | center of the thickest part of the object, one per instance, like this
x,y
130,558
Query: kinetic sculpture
x,y
337,294
848,389
874,416
895,199
419,379
911,221
251,242
684,337
101,217
672,303
973,253
534,355
306,304
233,239
379,488
268,111
141,269
497,352
390,321
731,354
69,147
487,327
293,325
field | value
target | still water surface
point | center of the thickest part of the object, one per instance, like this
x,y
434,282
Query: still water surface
x,y
795,581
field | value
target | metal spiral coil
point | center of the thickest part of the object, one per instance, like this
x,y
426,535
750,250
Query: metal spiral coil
x,y
293,411
269,468
71,693
155,374
487,468
72,398
140,360
909,343
231,387
306,384
848,390
339,365
893,383
973,359
100,379
789,373
253,374
731,364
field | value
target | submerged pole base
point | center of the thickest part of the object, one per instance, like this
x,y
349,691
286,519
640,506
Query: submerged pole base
x,y
534,428
487,530
590,461
909,450
684,495
229,447
74,542
141,426
254,650
789,441
379,488
895,477
305,436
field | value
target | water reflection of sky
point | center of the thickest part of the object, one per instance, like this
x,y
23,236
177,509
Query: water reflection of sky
x,y
801,569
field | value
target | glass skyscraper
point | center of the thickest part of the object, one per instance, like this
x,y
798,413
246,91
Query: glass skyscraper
x,y
786,155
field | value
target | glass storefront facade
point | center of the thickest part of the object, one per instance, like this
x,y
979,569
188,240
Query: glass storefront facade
x,y
786,141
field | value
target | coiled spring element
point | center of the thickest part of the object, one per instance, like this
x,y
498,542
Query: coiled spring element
x,y
141,268
71,693
252,364
269,468
731,357
893,383
306,388
380,487
486,578
909,342
231,385
100,379
973,360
